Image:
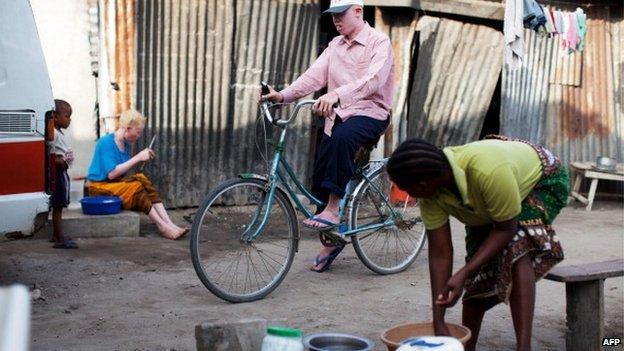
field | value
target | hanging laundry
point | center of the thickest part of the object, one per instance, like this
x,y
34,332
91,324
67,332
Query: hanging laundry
x,y
571,27
550,23
563,23
513,32
581,19
533,15
577,29
570,38
564,34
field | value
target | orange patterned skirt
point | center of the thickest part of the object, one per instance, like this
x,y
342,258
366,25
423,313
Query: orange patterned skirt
x,y
137,192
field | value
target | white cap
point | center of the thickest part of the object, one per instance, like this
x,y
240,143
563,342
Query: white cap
x,y
340,6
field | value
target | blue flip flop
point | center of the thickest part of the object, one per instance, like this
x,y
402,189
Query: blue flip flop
x,y
327,260
328,225
68,243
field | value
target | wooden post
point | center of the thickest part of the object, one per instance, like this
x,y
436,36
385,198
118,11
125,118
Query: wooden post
x,y
585,311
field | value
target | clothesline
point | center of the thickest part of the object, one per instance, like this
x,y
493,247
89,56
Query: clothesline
x,y
570,26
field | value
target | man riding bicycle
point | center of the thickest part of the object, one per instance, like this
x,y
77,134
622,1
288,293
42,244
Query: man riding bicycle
x,y
357,68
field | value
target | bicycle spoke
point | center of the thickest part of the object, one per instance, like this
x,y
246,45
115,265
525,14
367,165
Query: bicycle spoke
x,y
234,269
393,247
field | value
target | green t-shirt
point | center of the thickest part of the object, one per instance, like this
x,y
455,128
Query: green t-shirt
x,y
493,177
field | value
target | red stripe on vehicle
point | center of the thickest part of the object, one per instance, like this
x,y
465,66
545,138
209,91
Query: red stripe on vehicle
x,y
22,167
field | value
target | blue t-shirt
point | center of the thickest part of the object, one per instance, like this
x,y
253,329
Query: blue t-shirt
x,y
106,157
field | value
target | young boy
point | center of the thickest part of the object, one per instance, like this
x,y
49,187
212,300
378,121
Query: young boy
x,y
64,156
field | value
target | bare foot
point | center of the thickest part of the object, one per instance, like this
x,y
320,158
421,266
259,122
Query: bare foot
x,y
177,227
172,233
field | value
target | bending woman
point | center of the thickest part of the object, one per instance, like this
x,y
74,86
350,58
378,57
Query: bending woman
x,y
109,174
507,193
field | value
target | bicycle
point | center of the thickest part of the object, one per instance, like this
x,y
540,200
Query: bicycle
x,y
246,232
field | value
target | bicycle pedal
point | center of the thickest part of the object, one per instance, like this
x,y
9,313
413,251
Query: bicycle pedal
x,y
332,237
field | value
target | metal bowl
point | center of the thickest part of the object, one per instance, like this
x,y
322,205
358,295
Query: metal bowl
x,y
606,163
336,342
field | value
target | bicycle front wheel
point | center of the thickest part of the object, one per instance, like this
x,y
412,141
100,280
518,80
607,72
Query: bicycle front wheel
x,y
231,263
392,248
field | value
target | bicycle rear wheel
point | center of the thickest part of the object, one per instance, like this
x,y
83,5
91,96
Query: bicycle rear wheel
x,y
232,266
393,248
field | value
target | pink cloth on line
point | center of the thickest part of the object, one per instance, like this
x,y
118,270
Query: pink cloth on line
x,y
360,71
571,39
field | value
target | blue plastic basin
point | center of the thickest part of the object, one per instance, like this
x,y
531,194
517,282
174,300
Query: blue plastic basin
x,y
100,205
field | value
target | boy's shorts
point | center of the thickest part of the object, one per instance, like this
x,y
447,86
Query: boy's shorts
x,y
60,197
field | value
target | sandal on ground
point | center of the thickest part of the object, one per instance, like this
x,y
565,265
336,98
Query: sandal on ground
x,y
66,244
327,224
327,260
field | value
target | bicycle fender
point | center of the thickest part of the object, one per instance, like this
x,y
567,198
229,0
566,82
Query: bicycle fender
x,y
252,176
266,179
371,168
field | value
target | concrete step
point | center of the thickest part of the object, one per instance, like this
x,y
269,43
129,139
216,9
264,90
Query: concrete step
x,y
79,225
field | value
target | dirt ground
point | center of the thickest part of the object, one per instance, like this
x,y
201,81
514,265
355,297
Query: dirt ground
x,y
143,294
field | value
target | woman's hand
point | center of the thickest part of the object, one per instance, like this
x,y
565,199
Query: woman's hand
x,y
272,96
146,155
453,290
324,106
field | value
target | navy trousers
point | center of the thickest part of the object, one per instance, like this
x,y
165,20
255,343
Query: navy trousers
x,y
335,165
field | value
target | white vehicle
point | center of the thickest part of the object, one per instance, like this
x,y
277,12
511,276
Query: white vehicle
x,y
25,100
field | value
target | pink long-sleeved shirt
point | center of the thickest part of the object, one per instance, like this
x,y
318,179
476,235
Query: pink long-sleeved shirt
x,y
360,71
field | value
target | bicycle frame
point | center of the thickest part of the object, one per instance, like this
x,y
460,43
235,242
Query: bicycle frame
x,y
277,177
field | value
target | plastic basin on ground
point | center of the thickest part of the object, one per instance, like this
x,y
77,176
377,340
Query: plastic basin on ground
x,y
394,336
100,205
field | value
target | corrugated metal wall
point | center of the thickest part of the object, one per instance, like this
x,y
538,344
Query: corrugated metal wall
x,y
117,58
199,65
569,103
456,74
400,25
125,74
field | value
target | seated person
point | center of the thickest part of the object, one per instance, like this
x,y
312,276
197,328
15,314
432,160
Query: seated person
x,y
109,174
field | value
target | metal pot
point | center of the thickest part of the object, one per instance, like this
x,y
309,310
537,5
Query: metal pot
x,y
336,342
606,163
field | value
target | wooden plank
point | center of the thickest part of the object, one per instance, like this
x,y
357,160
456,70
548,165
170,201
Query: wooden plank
x,y
584,315
591,167
579,197
474,8
581,165
604,175
587,272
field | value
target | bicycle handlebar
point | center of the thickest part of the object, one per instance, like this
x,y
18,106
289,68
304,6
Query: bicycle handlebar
x,y
265,109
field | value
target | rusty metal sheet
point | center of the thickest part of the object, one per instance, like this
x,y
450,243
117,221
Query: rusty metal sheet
x,y
198,68
400,25
578,122
456,74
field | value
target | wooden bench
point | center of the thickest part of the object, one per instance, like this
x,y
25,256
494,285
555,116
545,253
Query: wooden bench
x,y
585,301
